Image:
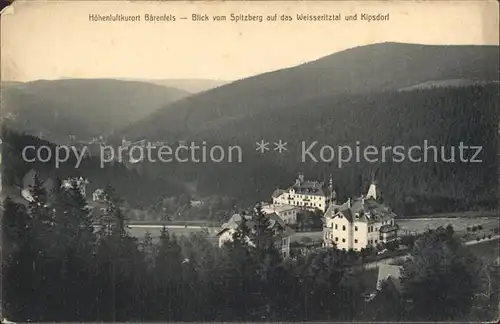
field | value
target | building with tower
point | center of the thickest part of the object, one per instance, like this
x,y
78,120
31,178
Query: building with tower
x,y
360,222
307,194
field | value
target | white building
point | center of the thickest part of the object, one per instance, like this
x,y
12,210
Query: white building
x,y
359,223
306,194
282,232
98,195
81,182
287,213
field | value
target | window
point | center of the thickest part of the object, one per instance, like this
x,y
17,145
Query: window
x,y
336,239
284,254
343,228
355,241
343,240
336,227
355,228
375,241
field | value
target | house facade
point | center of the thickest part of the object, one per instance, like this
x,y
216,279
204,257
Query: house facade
x,y
282,232
359,223
287,213
306,194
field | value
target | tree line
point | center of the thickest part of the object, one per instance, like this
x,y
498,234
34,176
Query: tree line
x,y
59,264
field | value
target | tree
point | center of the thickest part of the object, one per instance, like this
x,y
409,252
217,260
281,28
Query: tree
x,y
439,278
18,256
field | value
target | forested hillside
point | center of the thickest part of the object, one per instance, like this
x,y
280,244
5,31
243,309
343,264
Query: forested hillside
x,y
360,70
442,116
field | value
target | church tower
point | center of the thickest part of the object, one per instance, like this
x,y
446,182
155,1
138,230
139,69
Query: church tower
x,y
373,192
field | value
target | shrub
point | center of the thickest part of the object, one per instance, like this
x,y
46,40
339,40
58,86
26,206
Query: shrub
x,y
478,239
489,236
479,227
474,228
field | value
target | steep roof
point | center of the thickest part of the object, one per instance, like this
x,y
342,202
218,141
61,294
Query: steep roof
x,y
308,187
388,228
278,192
274,220
389,272
29,180
362,210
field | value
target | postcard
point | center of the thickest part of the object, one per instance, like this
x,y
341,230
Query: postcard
x,y
257,161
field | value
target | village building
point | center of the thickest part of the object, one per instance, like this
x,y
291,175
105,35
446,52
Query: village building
x,y
307,194
287,213
388,279
359,223
98,195
81,183
282,232
388,272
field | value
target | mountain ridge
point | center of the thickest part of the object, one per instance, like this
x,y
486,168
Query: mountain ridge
x,y
85,108
371,68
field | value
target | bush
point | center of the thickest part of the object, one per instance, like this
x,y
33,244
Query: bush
x,y
478,239
468,229
479,227
489,236
474,228
496,230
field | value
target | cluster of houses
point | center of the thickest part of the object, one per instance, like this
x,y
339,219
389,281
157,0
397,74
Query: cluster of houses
x,y
358,223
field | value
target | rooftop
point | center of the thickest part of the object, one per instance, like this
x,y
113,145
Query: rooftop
x,y
275,221
389,272
362,210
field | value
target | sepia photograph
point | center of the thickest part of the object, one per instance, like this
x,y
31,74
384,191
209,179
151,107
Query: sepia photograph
x,y
250,161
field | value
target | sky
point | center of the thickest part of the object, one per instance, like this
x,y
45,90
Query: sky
x,y
51,40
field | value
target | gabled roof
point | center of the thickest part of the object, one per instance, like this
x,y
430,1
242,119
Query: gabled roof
x,y
235,221
361,210
278,192
388,228
29,180
308,187
389,272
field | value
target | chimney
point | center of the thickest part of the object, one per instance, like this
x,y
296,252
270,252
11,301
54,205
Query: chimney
x,y
349,202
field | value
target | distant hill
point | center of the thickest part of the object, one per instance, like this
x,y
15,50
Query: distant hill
x,y
85,108
189,85
365,69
